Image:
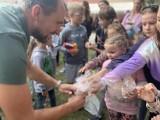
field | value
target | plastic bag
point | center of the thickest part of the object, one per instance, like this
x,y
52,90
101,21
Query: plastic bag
x,y
114,90
128,85
82,85
92,104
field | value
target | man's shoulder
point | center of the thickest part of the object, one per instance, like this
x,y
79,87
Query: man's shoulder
x,y
12,21
10,16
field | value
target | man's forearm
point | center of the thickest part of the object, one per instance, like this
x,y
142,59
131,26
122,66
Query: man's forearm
x,y
37,74
56,113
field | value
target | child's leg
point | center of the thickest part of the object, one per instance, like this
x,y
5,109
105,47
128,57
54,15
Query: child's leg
x,y
54,67
72,72
102,103
40,101
128,117
52,97
57,58
78,67
142,109
113,115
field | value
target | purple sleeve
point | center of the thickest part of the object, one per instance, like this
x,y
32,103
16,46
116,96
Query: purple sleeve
x,y
127,68
124,22
124,19
138,21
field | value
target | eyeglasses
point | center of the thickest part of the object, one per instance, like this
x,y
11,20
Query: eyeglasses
x,y
154,8
79,14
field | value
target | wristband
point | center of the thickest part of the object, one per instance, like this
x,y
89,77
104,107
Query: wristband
x,y
59,82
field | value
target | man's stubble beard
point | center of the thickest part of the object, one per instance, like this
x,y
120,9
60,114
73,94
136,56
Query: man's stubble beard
x,y
37,34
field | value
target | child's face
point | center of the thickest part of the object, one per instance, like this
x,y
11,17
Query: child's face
x,y
49,41
158,20
77,17
102,5
137,5
104,23
113,51
149,24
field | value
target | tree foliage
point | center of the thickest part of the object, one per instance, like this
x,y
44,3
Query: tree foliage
x,y
148,2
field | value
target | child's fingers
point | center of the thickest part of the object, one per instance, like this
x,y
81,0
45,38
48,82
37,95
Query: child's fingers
x,y
151,87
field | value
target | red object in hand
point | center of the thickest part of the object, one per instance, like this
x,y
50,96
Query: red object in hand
x,y
70,46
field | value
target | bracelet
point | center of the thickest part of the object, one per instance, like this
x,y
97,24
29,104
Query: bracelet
x,y
59,82
153,107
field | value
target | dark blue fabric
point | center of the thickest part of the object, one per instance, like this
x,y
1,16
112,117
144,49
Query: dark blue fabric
x,y
41,99
142,110
100,42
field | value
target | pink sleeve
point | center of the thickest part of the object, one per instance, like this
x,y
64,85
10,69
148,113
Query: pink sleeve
x,y
106,63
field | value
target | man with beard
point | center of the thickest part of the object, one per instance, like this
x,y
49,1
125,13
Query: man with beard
x,y
38,18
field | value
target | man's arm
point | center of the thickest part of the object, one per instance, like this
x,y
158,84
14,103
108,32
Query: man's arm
x,y
16,103
35,73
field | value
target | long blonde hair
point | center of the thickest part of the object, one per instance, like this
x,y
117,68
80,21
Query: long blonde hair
x,y
31,46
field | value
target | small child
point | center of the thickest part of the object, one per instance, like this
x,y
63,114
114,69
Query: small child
x,y
120,108
41,57
113,29
76,34
53,47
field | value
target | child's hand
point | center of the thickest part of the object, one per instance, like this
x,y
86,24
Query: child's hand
x,y
95,87
150,86
83,69
145,94
90,45
73,51
156,117
45,93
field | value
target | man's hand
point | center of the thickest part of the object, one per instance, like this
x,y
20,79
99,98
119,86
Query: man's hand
x,y
76,102
67,88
